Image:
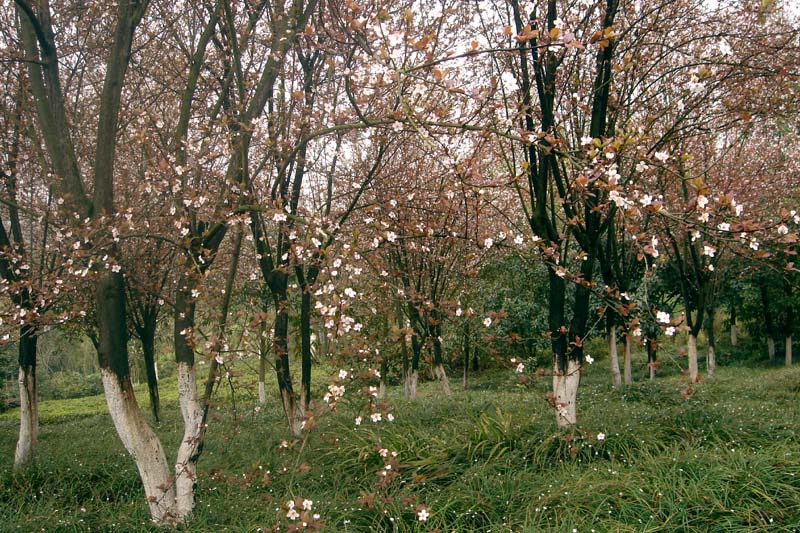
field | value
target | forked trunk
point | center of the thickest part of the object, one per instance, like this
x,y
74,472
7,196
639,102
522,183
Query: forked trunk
x,y
565,388
771,348
627,360
188,451
28,416
692,353
441,375
788,348
613,357
142,444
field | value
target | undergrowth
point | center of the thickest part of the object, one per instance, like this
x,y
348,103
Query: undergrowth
x,y
650,457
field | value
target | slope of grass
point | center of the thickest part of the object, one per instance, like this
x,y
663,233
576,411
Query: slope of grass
x,y
486,459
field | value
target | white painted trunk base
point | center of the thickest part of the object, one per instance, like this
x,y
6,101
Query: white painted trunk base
x,y
411,385
143,446
613,357
627,361
788,348
186,459
28,419
382,389
441,375
771,348
652,373
262,393
565,390
294,413
734,335
692,353
711,362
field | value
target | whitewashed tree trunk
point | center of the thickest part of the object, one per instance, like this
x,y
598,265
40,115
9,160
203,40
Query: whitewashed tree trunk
x,y
788,347
143,446
565,390
262,393
627,360
734,335
382,388
652,372
441,375
186,460
771,348
692,352
613,357
711,362
294,413
28,417
411,385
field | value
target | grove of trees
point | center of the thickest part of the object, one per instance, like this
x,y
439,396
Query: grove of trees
x,y
380,184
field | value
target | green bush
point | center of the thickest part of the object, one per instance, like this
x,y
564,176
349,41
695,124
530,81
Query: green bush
x,y
66,384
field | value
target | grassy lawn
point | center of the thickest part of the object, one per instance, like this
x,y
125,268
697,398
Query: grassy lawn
x,y
488,459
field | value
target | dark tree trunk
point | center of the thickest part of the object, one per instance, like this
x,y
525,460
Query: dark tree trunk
x,y
147,338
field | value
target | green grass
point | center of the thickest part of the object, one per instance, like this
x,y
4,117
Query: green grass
x,y
488,459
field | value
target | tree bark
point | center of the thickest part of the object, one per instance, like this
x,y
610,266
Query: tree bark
x,y
28,406
438,362
734,332
262,363
565,386
711,358
413,375
652,353
147,338
771,348
627,360
788,350
692,354
142,444
466,354
613,355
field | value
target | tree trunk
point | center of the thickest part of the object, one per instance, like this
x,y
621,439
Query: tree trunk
x,y
262,363
280,348
413,375
28,401
788,348
384,371
692,353
771,348
627,360
191,409
142,444
190,446
305,350
565,386
438,362
613,357
652,353
711,358
734,332
147,338
466,354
